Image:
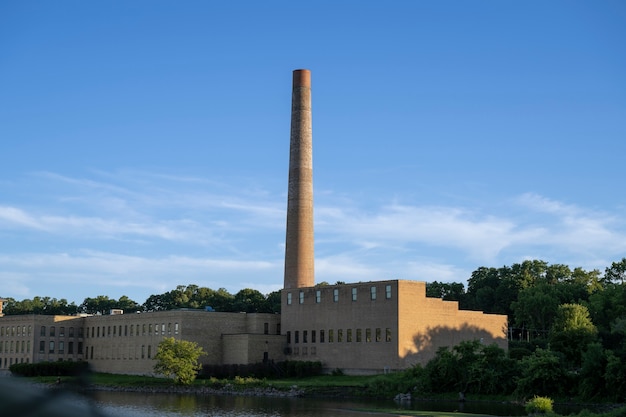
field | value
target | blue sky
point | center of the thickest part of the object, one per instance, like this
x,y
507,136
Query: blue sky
x,y
144,144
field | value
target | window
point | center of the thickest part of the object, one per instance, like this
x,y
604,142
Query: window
x,y
349,335
388,334
336,295
305,335
42,346
132,330
266,328
297,336
289,298
353,294
318,296
288,337
330,336
359,335
126,330
52,331
80,348
301,297
70,348
62,331
368,335
156,328
378,334
71,332
51,347
81,332
98,332
150,328
29,329
162,328
373,293
175,328
321,336
339,335
108,330
42,331
312,336
114,332
387,291
143,330
169,328
143,351
61,347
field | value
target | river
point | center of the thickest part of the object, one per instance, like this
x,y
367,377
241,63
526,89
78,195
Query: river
x,y
131,404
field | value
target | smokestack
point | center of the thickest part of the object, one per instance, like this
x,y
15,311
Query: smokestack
x,y
299,253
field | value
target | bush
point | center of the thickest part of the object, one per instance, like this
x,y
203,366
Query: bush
x,y
539,405
60,368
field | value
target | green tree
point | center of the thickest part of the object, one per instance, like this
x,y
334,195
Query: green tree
x,y
452,291
542,374
616,273
572,332
178,359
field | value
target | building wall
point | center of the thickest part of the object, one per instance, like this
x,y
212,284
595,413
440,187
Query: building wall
x,y
36,338
395,330
127,343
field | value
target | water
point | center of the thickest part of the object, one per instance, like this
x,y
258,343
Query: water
x,y
129,404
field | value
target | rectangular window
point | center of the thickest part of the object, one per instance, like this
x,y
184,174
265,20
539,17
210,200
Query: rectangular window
x,y
312,336
301,297
378,334
143,330
349,335
336,295
62,331
132,330
305,335
169,328
373,293
318,296
288,337
175,328
321,336
266,328
52,331
70,348
388,334
162,328
150,328
42,346
368,335
61,347
359,335
126,330
331,337
80,348
42,331
387,291
353,294
51,350
339,335
288,298
71,332
297,336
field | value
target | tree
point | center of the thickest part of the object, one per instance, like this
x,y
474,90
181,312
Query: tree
x,y
178,359
616,273
572,332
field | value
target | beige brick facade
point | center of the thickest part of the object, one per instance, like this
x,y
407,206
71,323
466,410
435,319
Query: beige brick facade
x,y
127,343
376,326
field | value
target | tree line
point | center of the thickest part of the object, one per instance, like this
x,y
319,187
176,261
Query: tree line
x,y
183,296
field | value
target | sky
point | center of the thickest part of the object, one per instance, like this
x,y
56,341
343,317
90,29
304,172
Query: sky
x,y
145,144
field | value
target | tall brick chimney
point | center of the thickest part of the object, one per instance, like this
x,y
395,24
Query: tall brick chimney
x,y
299,253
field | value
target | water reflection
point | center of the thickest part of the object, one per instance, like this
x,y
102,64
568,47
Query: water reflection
x,y
128,404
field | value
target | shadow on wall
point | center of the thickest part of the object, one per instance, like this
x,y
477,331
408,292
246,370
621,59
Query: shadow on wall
x,y
425,345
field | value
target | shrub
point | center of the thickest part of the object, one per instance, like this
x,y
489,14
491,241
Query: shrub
x,y
539,405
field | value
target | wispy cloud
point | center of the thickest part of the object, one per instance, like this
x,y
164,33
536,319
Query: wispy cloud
x,y
148,233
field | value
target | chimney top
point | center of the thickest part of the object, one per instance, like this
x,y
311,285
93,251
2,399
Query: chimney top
x,y
302,78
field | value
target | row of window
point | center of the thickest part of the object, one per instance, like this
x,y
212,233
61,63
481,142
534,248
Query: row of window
x,y
354,292
53,347
59,347
350,335
12,331
15,346
52,331
10,361
133,330
119,352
